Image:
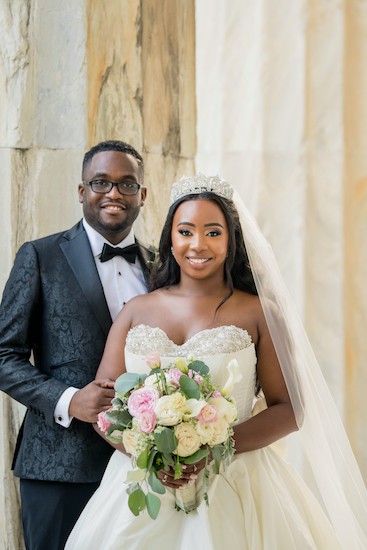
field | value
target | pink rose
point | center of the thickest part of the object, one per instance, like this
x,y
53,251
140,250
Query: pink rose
x,y
102,423
142,400
174,376
216,393
147,421
207,415
196,377
153,360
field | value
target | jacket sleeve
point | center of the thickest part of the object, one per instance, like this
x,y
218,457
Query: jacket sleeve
x,y
21,334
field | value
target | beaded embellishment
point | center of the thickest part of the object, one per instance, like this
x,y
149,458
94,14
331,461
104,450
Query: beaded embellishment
x,y
143,339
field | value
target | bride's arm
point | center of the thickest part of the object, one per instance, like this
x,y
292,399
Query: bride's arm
x,y
113,360
278,419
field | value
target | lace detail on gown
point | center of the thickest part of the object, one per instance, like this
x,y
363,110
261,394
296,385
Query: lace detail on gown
x,y
143,339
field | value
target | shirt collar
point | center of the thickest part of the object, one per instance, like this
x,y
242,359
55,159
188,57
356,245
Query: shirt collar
x,y
97,241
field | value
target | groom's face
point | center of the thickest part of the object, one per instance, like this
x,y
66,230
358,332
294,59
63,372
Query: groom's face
x,y
112,214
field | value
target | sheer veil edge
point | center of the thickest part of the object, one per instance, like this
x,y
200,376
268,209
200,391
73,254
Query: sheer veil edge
x,y
331,469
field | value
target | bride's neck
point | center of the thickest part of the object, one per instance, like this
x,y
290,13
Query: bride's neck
x,y
202,288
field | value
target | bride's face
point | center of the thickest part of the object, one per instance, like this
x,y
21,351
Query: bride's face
x,y
200,238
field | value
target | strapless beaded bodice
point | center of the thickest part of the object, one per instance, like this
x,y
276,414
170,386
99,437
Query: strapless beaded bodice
x,y
215,346
143,339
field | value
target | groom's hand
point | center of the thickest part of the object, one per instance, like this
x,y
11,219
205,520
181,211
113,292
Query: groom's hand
x,y
87,402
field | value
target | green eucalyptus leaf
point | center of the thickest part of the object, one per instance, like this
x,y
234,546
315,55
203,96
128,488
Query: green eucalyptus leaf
x,y
122,417
152,456
116,402
126,382
217,456
200,367
114,434
166,441
153,505
142,460
132,487
167,460
137,501
189,387
156,484
196,457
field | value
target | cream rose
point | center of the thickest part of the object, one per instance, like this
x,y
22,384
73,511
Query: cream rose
x,y
188,439
170,409
213,433
130,440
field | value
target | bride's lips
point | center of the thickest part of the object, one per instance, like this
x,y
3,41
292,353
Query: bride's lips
x,y
197,261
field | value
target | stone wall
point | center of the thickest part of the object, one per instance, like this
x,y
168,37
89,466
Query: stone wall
x,y
74,73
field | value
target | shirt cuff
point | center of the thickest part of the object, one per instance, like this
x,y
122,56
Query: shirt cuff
x,y
61,413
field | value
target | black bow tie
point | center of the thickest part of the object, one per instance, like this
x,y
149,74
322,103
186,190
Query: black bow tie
x,y
129,252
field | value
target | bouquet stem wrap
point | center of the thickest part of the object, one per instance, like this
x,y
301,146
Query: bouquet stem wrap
x,y
186,498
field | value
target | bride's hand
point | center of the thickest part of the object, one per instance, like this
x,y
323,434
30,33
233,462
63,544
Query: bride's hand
x,y
189,474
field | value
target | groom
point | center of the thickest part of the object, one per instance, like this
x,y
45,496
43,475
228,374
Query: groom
x,y
59,302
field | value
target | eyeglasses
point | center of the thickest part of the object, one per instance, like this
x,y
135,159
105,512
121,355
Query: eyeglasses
x,y
104,186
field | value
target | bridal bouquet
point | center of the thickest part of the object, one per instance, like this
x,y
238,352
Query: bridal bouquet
x,y
172,417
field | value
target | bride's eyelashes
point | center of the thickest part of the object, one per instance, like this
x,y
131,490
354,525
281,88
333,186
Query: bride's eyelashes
x,y
185,232
214,233
188,233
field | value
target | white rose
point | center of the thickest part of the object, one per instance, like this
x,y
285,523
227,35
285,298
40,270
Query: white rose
x,y
226,409
188,439
170,408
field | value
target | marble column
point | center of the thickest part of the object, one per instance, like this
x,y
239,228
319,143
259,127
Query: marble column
x,y
73,73
355,226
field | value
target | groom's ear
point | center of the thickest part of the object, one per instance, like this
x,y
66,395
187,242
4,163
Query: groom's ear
x,y
143,195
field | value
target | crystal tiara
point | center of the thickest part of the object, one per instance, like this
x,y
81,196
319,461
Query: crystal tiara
x,y
194,185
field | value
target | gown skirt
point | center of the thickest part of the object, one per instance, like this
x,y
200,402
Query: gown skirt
x,y
257,502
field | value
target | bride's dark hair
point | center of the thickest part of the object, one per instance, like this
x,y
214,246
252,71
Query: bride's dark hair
x,y
237,271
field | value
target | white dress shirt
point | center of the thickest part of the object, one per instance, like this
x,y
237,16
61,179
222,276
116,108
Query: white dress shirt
x,y
121,281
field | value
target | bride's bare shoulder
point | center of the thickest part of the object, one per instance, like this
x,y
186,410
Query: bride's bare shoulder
x,y
245,299
144,300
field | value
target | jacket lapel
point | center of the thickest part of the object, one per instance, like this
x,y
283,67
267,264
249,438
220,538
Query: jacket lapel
x,y
76,248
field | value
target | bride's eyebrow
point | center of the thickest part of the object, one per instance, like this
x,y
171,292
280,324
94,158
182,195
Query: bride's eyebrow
x,y
216,224
186,223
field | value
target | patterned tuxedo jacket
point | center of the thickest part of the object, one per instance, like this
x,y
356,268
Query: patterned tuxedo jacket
x,y
54,306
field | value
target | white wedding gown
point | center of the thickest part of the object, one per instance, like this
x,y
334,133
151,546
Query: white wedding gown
x,y
258,502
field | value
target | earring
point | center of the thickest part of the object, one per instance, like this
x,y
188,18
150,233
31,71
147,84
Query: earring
x,y
172,252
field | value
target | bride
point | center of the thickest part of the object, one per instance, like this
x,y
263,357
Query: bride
x,y
217,295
